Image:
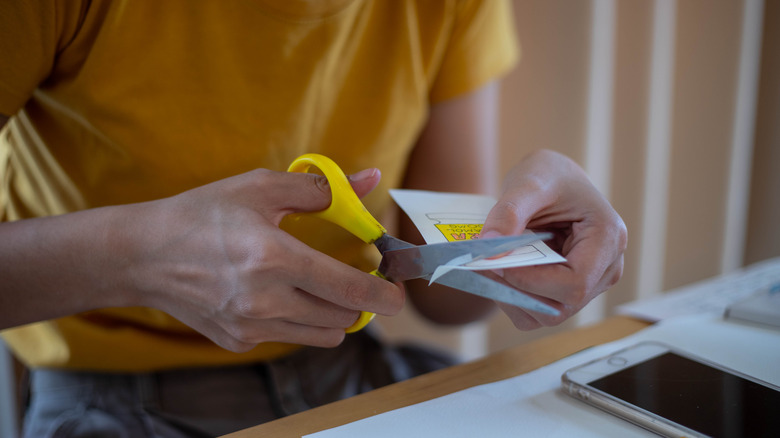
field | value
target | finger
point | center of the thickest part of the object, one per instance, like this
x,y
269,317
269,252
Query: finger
x,y
308,309
251,333
525,319
589,252
301,334
522,319
294,192
308,335
514,210
348,287
291,262
221,336
365,181
285,303
302,319
558,286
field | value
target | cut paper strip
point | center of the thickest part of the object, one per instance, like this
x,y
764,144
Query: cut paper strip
x,y
448,217
447,267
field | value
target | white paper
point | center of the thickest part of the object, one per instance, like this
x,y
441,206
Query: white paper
x,y
533,405
448,217
450,265
711,296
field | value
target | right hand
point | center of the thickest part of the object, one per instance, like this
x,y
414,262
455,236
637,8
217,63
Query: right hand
x,y
215,258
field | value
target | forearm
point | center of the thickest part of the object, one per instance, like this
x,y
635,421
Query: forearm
x,y
57,266
456,152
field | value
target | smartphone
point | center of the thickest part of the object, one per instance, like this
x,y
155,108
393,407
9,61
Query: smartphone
x,y
673,393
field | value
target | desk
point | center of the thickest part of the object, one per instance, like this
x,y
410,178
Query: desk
x,y
502,365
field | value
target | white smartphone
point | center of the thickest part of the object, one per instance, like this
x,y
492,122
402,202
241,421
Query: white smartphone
x,y
673,393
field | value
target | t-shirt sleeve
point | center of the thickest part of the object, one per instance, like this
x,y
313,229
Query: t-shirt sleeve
x,y
482,47
32,32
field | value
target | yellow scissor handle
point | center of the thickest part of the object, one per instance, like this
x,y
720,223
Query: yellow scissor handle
x,y
345,210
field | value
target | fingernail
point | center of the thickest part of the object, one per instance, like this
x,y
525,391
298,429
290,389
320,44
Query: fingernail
x,y
363,174
489,234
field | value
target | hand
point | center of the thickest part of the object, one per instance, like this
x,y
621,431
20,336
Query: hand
x,y
215,258
548,192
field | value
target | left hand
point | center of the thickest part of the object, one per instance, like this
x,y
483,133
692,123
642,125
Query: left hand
x,y
547,191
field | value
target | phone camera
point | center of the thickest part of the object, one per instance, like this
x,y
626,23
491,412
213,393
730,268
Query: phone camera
x,y
617,361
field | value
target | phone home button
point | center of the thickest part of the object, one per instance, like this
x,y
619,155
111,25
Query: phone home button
x,y
617,361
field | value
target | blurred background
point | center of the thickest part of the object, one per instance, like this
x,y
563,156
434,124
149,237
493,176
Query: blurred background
x,y
673,109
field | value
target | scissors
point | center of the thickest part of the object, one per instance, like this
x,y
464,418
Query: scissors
x,y
403,261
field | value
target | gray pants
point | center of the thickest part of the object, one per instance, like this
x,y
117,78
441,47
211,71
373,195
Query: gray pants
x,y
215,401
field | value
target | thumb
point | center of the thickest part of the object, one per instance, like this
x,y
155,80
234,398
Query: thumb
x,y
365,181
295,192
511,214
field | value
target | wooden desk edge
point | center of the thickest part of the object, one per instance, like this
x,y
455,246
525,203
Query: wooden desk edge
x,y
502,365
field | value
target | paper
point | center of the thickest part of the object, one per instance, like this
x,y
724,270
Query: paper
x,y
711,296
760,308
447,267
533,405
449,217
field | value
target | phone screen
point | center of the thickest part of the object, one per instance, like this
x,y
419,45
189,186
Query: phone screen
x,y
697,396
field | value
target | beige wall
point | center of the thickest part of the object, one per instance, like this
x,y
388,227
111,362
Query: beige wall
x,y
673,106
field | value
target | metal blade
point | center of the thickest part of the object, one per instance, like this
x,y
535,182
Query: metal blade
x,y
420,261
477,284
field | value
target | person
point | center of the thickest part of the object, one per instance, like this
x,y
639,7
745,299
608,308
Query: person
x,y
150,276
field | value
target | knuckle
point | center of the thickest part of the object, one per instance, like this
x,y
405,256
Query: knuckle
x,y
267,252
238,334
312,191
551,321
533,183
506,213
241,306
320,184
576,292
355,295
332,338
622,235
505,208
398,300
346,318
255,309
334,317
526,324
243,335
236,343
268,257
315,187
241,347
261,177
617,273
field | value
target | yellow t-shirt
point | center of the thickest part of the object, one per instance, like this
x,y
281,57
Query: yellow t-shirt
x,y
117,102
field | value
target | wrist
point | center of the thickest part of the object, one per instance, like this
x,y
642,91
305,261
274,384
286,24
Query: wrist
x,y
123,241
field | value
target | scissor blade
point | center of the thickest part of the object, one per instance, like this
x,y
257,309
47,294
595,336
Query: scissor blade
x,y
473,283
420,261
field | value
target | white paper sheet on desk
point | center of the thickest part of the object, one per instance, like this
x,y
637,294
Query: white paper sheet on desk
x,y
532,404
711,296
449,217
